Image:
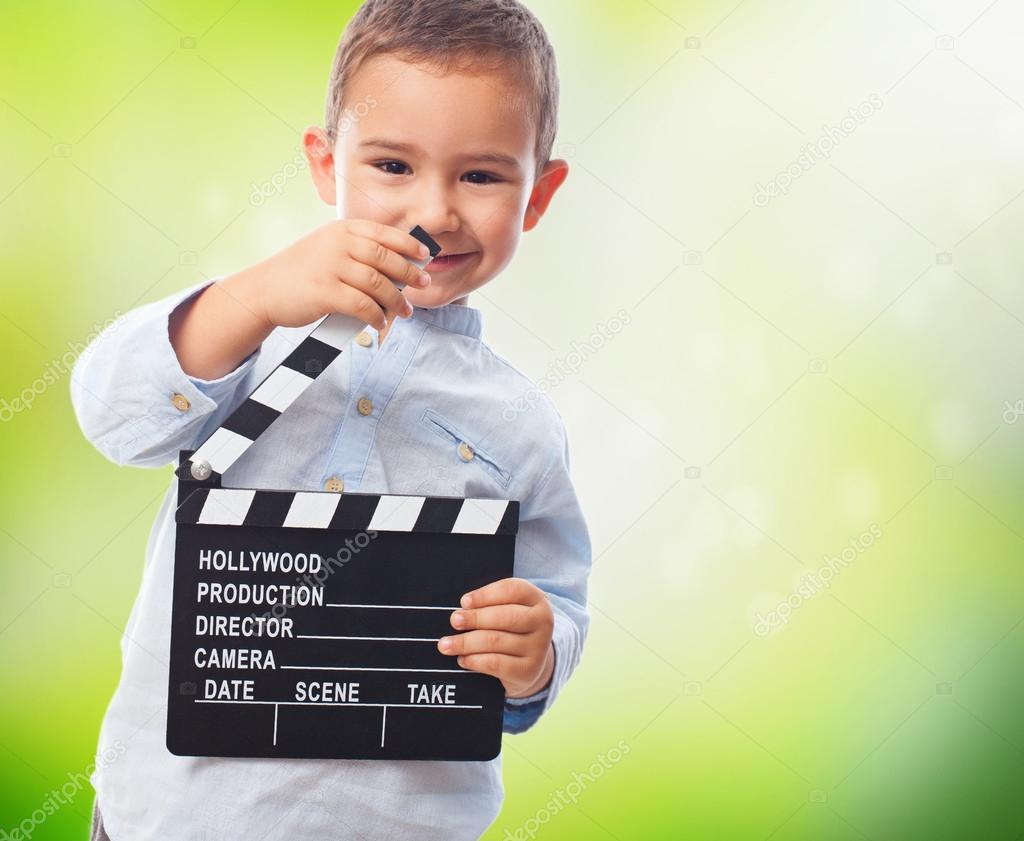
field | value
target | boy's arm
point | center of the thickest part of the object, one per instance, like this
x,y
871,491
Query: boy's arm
x,y
553,552
133,399
214,332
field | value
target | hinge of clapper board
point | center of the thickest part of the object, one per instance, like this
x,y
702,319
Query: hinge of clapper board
x,y
204,466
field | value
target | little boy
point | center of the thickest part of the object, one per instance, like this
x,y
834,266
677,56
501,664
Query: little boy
x,y
449,113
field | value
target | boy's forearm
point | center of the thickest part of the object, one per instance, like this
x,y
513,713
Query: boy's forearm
x,y
220,327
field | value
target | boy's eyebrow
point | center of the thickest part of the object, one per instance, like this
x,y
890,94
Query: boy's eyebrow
x,y
410,149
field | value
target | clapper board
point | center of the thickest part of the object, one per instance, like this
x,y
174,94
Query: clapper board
x,y
305,623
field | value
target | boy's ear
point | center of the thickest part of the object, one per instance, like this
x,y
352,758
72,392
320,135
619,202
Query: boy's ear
x,y
321,162
551,178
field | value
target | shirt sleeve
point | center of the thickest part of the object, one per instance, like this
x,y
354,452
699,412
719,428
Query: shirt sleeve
x,y
553,552
132,399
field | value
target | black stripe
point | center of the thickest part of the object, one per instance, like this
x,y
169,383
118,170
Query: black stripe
x,y
355,512
427,240
510,522
438,514
268,508
251,419
311,357
192,507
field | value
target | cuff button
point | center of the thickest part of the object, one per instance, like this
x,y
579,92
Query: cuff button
x,y
180,402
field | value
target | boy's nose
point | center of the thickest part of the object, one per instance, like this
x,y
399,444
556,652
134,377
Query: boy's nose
x,y
435,212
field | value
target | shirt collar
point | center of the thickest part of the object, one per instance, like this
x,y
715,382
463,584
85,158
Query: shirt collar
x,y
458,318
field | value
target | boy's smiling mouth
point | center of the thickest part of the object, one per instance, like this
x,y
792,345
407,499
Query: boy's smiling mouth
x,y
445,262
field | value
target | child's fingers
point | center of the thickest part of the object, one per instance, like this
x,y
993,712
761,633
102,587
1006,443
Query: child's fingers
x,y
501,666
480,642
342,297
401,241
371,282
387,261
505,591
514,618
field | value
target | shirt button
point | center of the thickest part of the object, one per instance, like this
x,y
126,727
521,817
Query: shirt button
x,y
465,451
334,484
180,402
365,339
364,406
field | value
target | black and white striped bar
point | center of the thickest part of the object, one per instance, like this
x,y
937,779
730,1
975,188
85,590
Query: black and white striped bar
x,y
349,511
286,382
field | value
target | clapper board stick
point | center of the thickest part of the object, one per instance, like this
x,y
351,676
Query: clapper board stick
x,y
283,385
282,645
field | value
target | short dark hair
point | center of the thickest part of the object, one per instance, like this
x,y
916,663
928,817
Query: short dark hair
x,y
449,35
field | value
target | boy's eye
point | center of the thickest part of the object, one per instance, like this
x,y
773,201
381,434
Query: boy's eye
x,y
485,178
383,167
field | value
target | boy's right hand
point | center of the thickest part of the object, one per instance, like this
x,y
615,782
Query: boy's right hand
x,y
344,266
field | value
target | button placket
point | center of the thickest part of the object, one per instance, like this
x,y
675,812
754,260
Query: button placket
x,y
374,379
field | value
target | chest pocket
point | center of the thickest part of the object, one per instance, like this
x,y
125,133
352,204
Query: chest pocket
x,y
464,448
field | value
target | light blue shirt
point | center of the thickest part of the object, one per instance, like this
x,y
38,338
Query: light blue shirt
x,y
433,385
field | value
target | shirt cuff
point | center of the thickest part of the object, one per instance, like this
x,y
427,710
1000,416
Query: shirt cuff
x,y
521,714
158,418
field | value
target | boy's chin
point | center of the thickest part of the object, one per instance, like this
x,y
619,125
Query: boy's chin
x,y
436,295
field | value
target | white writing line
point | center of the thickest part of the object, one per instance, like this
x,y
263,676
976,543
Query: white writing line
x,y
400,606
275,724
383,723
382,669
379,639
343,704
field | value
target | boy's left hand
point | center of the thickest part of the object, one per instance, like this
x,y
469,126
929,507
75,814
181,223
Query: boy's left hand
x,y
508,626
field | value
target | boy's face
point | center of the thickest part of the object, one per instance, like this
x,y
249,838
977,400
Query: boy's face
x,y
409,153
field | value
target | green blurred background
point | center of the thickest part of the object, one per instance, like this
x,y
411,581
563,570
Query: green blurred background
x,y
800,371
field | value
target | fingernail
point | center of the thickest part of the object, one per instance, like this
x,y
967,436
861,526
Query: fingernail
x,y
424,251
445,643
458,619
425,278
407,309
466,600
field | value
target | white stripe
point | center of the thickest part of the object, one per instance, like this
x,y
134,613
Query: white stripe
x,y
337,330
396,513
222,449
281,388
312,509
226,506
480,516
